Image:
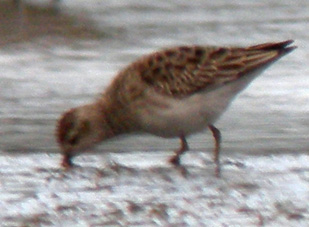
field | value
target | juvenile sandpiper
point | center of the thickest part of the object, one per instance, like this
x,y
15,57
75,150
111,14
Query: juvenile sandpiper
x,y
172,93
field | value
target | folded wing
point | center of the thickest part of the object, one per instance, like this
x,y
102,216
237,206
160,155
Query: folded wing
x,y
184,70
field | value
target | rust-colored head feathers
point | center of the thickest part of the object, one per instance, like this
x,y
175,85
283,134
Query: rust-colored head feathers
x,y
79,129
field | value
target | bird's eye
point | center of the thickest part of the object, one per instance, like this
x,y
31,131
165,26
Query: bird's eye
x,y
77,132
74,139
72,136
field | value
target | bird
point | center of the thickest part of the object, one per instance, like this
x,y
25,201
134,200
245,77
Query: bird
x,y
171,93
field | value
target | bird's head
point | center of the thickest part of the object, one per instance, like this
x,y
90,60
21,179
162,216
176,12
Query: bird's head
x,y
80,129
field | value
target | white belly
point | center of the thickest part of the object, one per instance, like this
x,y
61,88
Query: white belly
x,y
168,117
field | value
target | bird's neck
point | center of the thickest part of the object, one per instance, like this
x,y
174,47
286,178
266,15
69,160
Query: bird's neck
x,y
115,118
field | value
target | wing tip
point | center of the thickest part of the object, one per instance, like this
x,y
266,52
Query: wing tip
x,y
283,46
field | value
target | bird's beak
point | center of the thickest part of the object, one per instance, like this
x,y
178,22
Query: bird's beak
x,y
67,160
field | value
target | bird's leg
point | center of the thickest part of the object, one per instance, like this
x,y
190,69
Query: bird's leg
x,y
217,135
175,160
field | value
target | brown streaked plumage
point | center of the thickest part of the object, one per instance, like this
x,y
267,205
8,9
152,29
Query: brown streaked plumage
x,y
170,93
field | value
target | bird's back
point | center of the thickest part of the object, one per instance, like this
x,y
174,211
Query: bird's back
x,y
185,70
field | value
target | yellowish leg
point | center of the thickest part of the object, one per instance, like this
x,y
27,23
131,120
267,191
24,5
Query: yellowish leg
x,y
175,160
217,136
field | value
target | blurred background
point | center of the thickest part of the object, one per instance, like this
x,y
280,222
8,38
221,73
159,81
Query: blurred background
x,y
58,54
